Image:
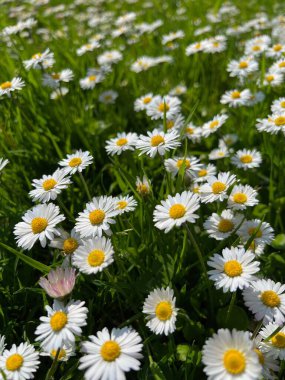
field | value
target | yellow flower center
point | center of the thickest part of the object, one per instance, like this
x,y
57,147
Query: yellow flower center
x,y
55,76
214,124
122,204
256,48
189,130
279,121
5,85
49,184
282,64
185,162
61,355
239,198
232,268
277,47
96,258
270,298
92,78
243,65
278,340
76,161
260,356
110,351
218,187
198,45
216,44
163,107
177,211
147,100
234,362
246,159
39,225
14,362
70,245
202,173
163,310
196,189
169,124
37,56
282,104
252,231
143,189
269,78
235,95
96,217
121,142
225,225
88,46
58,320
157,140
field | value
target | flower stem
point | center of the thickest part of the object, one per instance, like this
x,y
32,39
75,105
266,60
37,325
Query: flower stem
x,y
231,306
85,186
53,368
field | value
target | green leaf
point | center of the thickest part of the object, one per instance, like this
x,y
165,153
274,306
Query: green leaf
x,y
156,371
28,260
279,242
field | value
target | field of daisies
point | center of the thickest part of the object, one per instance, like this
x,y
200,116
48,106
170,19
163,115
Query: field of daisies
x,y
142,202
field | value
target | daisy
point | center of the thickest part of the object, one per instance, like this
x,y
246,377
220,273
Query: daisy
x,y
108,355
273,124
213,125
216,187
94,255
143,102
168,105
204,173
269,363
38,224
242,68
172,36
275,346
59,282
229,355
3,163
192,132
273,79
276,51
142,64
158,142
257,97
278,67
190,165
66,242
221,152
233,269
15,84
59,93
125,203
76,162
143,186
235,98
253,48
39,60
177,122
263,231
97,217
278,106
53,80
2,344
49,186
109,57
89,82
222,226
215,44
108,97
175,211
122,142
61,325
195,48
178,90
247,159
266,300
64,354
242,196
92,45
229,139
20,363
161,312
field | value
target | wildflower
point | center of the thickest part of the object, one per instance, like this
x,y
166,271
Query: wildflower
x,y
242,197
108,97
66,351
59,92
273,79
76,162
15,84
66,242
109,57
3,163
222,226
191,165
158,142
273,124
125,203
275,346
160,106
247,159
92,45
278,106
143,102
262,230
213,125
221,152
59,283
122,142
143,186
195,47
90,81
216,187
242,68
204,173
269,363
235,98
53,80
39,60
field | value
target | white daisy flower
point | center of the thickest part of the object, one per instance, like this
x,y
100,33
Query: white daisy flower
x,y
269,363
242,196
273,79
178,90
192,132
3,163
58,93
172,36
222,226
92,45
257,97
38,224
195,48
247,159
108,97
109,57
213,125
255,49
66,242
215,44
20,363
266,300
143,186
161,312
278,106
175,211
125,203
97,217
230,139
142,64
275,346
143,102
191,165
53,80
263,232
76,162
273,124
108,355
204,173
61,325
242,68
64,354
15,84
122,142
235,98
216,187
278,67
229,355
94,255
49,186
233,269
158,142
276,51
221,152
177,122
89,82
39,60
168,105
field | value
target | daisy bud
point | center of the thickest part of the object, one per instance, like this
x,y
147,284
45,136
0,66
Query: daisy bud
x,y
59,282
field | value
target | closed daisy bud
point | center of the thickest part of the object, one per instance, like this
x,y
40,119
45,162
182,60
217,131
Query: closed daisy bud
x,y
143,186
59,283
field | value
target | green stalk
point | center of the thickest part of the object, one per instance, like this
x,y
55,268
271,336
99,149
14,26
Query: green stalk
x,y
231,306
54,366
85,186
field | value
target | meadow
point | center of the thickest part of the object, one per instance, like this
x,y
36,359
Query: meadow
x,y
141,190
